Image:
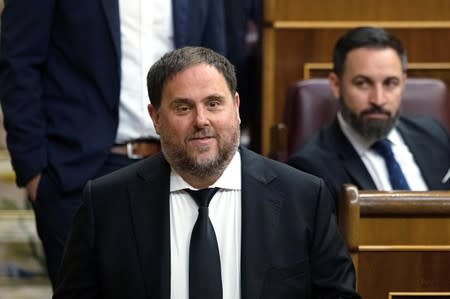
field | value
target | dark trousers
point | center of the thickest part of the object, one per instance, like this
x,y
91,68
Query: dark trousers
x,y
54,211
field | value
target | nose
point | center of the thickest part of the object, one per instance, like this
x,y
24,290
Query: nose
x,y
377,96
201,117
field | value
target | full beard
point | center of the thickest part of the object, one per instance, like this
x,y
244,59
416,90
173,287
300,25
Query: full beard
x,y
372,129
182,162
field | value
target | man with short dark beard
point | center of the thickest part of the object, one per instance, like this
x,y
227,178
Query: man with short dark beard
x,y
205,218
368,144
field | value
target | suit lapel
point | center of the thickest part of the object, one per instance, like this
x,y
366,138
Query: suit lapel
x,y
350,159
111,9
429,165
149,205
260,214
358,172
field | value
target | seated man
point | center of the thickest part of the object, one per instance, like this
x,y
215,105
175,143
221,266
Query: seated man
x,y
159,229
369,144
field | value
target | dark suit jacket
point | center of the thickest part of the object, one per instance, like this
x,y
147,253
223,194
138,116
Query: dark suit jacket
x,y
60,79
331,156
291,248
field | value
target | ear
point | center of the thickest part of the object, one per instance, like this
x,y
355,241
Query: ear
x,y
333,81
237,102
154,116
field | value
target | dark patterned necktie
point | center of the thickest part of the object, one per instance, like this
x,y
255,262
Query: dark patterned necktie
x,y
205,279
383,148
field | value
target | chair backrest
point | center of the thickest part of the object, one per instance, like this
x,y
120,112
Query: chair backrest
x,y
399,241
310,105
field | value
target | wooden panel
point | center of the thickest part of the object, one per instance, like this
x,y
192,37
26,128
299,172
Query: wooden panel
x,y
419,295
357,10
399,240
268,107
288,50
411,231
416,69
384,272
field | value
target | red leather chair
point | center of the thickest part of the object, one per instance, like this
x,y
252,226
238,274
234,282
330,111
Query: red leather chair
x,y
310,105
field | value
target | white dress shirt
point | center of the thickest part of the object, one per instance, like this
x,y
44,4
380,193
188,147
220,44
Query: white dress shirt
x,y
375,164
225,215
146,32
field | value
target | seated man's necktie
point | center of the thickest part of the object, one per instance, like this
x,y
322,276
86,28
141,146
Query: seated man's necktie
x,y
205,279
384,148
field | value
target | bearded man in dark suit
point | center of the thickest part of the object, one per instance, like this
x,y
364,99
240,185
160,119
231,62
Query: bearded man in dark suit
x,y
368,78
275,233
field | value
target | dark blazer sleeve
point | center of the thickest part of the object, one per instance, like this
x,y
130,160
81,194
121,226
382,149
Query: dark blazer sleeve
x,y
78,273
215,32
331,266
304,253
25,35
324,167
200,23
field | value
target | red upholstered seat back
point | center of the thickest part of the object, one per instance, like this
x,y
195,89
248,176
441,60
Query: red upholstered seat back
x,y
310,104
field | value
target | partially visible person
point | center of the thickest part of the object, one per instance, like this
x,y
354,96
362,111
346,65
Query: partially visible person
x,y
73,92
243,19
273,226
368,78
1,11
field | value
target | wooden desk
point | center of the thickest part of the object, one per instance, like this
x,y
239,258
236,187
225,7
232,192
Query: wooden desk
x,y
399,241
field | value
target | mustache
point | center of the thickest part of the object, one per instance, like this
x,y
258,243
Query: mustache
x,y
375,109
201,133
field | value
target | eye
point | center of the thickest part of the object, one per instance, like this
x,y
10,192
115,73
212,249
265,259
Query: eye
x,y
214,104
391,83
361,83
182,108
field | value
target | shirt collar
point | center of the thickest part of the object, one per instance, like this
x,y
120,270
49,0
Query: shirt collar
x,y
230,178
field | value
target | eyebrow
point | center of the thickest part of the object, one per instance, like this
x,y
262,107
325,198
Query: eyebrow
x,y
371,80
215,97
178,101
361,77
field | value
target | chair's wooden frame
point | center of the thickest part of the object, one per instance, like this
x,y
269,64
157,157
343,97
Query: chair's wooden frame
x,y
399,240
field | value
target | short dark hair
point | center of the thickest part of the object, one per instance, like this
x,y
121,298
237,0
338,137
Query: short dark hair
x,y
178,60
366,37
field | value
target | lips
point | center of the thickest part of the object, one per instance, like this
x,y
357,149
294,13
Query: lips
x,y
200,137
201,134
201,140
376,115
